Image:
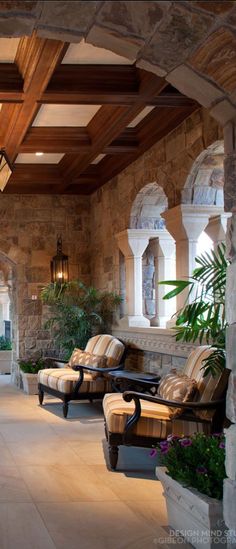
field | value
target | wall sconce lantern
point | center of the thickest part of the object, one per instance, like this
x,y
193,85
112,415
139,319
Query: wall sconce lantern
x,y
5,169
59,265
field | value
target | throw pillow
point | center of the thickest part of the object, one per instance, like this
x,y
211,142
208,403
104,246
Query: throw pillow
x,y
83,358
178,387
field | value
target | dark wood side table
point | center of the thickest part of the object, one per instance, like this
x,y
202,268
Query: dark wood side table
x,y
128,380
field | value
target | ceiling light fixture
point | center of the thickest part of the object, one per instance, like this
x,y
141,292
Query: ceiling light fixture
x,y
5,169
39,153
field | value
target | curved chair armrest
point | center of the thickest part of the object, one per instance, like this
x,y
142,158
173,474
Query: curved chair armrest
x,y
132,395
94,369
137,397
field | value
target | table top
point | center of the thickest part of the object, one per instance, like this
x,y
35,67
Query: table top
x,y
130,374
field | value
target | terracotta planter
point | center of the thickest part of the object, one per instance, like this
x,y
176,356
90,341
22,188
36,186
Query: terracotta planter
x,y
197,517
30,383
5,362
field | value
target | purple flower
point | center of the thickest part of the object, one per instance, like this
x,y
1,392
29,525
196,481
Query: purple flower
x,y
201,470
153,453
186,442
170,438
164,444
165,450
222,445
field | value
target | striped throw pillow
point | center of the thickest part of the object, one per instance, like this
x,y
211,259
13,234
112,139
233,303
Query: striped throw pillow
x,y
83,358
178,387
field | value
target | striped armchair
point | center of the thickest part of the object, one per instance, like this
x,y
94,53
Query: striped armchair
x,y
186,403
84,376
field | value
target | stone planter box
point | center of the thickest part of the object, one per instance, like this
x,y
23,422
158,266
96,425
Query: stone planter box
x,y
5,362
196,517
30,383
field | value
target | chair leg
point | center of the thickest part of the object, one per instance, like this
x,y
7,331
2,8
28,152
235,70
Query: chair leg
x,y
40,395
65,408
113,456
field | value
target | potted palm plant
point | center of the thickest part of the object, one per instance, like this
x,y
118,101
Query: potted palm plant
x,y
203,318
5,355
192,472
77,312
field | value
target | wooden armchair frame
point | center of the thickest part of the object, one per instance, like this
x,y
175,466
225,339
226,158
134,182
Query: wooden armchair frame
x,y
128,438
76,394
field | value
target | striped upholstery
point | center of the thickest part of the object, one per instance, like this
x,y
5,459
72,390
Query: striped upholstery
x,y
106,345
208,388
178,387
108,351
155,420
65,379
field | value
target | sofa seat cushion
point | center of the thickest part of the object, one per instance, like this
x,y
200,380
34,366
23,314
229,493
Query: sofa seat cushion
x,y
155,420
65,379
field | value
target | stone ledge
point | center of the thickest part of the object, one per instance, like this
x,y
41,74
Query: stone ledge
x,y
159,340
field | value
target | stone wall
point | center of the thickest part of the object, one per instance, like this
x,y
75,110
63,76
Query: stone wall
x,y
29,226
168,163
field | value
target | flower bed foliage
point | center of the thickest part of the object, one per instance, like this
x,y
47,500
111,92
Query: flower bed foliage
x,y
31,366
196,461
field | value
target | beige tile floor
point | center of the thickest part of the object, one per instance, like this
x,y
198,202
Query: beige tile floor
x,y
56,490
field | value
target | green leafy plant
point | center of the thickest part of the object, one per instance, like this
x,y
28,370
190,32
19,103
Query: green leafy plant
x,y
30,366
196,461
78,312
203,319
5,344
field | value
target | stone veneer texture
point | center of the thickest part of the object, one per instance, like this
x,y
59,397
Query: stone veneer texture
x,y
29,227
168,163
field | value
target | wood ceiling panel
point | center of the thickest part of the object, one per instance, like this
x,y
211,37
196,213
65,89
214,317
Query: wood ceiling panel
x,y
38,78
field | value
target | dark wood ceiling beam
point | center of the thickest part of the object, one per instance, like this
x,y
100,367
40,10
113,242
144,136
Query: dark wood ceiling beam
x,y
36,59
72,140
157,125
108,123
31,175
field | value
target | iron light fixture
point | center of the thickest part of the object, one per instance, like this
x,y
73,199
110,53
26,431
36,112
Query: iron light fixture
x,y
5,169
59,265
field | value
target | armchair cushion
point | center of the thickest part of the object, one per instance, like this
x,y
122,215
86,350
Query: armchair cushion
x,y
176,386
65,379
84,358
155,420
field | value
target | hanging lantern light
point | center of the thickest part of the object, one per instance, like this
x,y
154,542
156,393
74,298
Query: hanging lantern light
x,y
5,169
59,265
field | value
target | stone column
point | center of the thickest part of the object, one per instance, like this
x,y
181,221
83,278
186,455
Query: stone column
x,y
216,228
133,243
163,249
229,500
185,223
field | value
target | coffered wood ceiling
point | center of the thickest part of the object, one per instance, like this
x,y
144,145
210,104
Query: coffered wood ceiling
x,y
88,110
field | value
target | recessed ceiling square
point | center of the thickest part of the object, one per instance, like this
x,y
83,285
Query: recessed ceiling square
x,y
8,49
31,158
65,115
86,54
140,117
98,158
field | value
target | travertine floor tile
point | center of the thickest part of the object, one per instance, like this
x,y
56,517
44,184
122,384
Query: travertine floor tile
x,y
28,431
62,483
91,453
129,487
100,525
43,453
21,527
12,486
